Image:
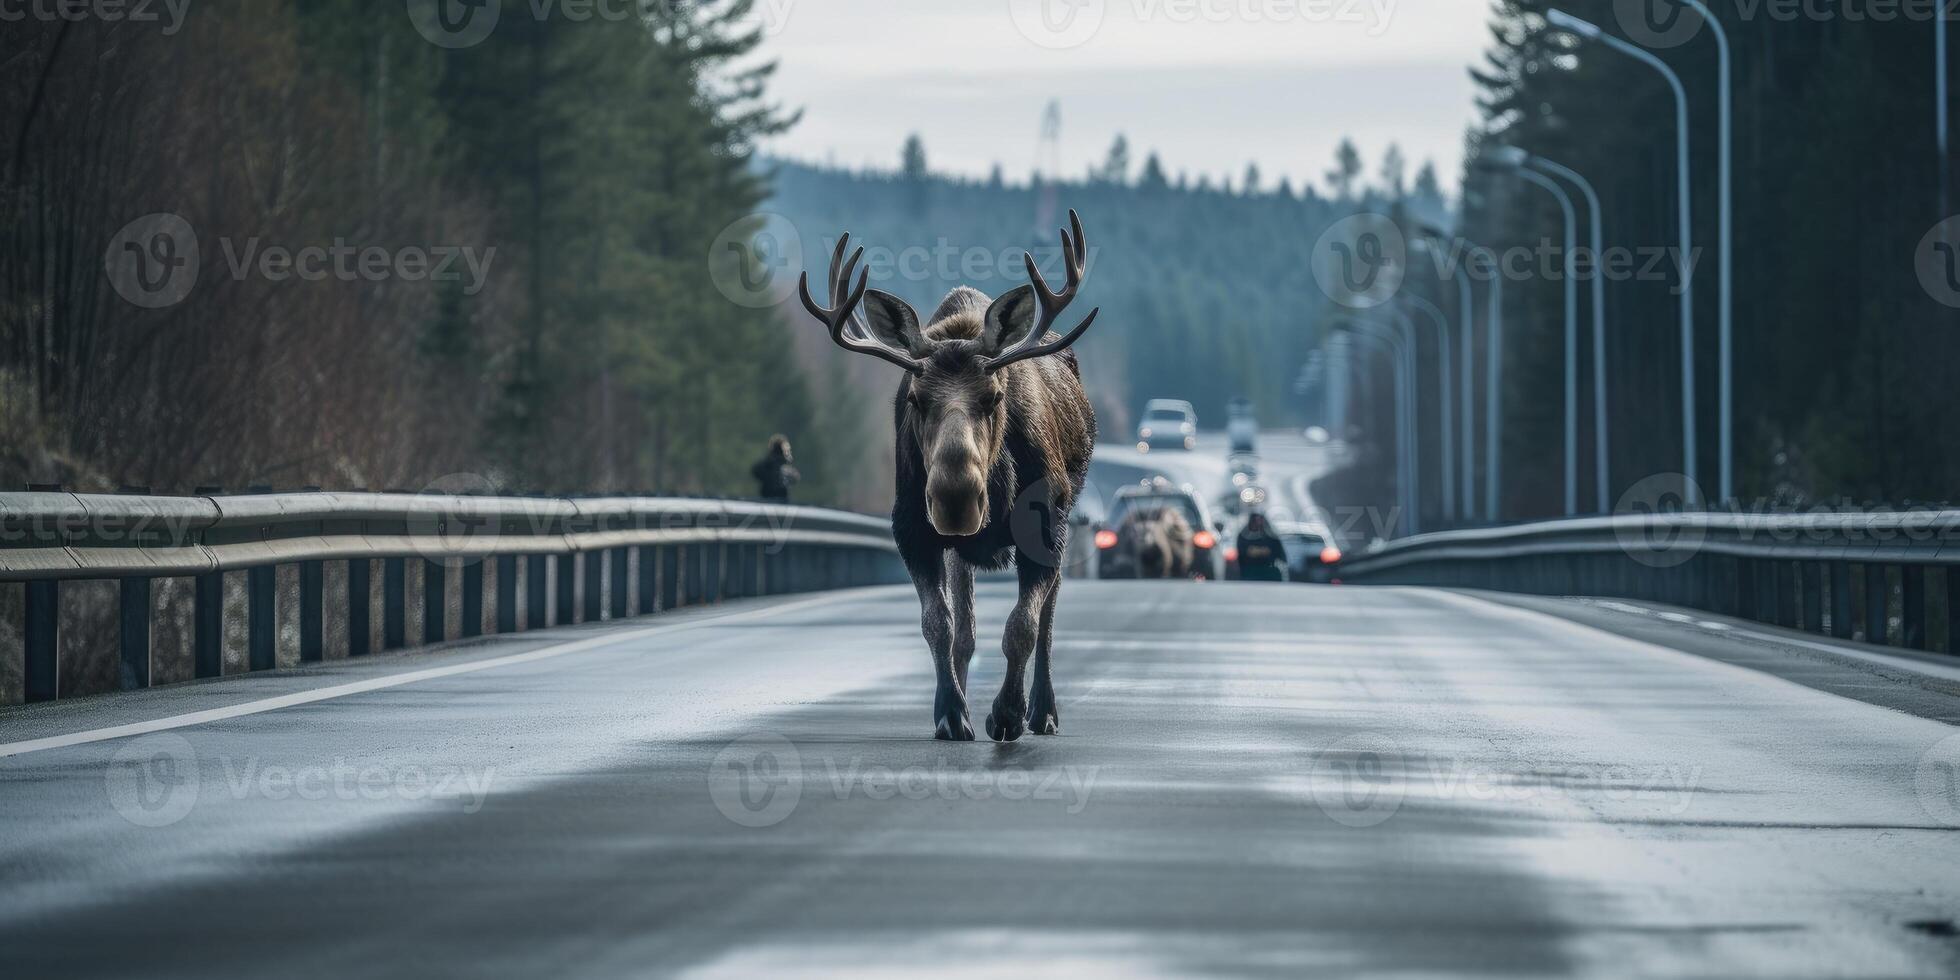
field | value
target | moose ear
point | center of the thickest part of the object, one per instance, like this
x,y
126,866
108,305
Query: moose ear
x,y
1009,319
893,322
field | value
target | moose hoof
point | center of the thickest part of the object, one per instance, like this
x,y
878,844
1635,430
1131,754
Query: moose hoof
x,y
953,728
1044,723
1005,729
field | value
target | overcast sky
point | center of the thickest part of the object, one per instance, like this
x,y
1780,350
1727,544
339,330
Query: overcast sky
x,y
1209,84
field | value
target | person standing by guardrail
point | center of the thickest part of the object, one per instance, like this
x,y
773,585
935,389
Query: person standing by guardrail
x,y
773,473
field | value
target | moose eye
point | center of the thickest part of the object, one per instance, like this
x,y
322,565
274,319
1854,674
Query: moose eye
x,y
990,401
912,398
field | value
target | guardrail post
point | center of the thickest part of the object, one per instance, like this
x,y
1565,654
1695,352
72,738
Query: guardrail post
x,y
260,585
621,580
537,579
394,603
772,571
1842,620
506,593
670,577
1813,596
744,567
567,587
312,612
208,626
360,579
595,585
135,634
1786,593
697,573
435,595
472,624
649,577
1876,594
713,587
1953,609
1912,607
42,631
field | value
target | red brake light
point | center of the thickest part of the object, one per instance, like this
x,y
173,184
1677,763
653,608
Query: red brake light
x,y
1231,554
1329,555
1204,539
1105,539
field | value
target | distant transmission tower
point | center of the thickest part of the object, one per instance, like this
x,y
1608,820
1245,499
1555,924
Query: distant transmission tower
x,y
1047,168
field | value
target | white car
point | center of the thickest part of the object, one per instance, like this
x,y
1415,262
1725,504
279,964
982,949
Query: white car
x,y
1167,423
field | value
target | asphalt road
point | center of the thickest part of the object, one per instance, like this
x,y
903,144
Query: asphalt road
x,y
1288,465
1251,779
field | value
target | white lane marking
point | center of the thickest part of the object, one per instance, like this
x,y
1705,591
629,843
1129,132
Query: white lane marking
x,y
397,680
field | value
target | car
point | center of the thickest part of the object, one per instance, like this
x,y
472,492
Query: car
x,y
1244,468
1167,423
1309,556
1207,560
1241,428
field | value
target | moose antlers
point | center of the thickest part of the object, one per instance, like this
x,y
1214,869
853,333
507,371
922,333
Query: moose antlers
x,y
846,312
1075,252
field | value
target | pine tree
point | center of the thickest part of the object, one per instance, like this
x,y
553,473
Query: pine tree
x,y
1347,167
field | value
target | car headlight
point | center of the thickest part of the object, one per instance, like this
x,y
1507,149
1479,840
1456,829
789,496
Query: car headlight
x,y
1144,432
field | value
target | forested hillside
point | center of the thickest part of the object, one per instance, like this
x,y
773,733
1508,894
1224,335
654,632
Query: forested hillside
x,y
1205,290
587,162
1844,359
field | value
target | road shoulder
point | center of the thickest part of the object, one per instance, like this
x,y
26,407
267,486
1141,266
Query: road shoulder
x,y
1925,686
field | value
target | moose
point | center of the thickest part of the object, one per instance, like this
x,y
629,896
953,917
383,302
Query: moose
x,y
1152,542
993,433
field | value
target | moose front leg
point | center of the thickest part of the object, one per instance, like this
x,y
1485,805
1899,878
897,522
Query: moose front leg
x,y
950,721
1009,717
1043,718
959,579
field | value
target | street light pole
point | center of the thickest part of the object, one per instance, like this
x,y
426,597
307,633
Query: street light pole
x,y
1493,382
1466,315
1691,493
1443,411
1726,413
1404,417
1571,336
1601,455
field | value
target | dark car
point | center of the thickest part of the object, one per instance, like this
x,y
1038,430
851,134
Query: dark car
x,y
1207,560
1309,556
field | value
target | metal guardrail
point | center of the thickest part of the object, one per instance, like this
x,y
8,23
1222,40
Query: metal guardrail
x,y
1857,576
656,553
